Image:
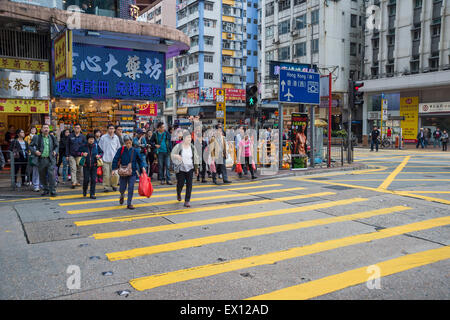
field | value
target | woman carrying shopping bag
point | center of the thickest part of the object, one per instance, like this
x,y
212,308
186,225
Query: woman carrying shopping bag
x,y
127,162
246,153
186,160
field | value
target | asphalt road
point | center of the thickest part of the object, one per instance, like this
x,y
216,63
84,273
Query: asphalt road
x,y
377,233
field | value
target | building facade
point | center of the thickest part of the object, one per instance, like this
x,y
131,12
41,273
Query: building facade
x,y
223,55
324,34
407,63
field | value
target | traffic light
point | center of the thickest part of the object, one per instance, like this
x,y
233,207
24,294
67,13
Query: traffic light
x,y
358,96
251,96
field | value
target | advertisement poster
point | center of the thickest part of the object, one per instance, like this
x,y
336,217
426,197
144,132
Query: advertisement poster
x,y
299,136
409,108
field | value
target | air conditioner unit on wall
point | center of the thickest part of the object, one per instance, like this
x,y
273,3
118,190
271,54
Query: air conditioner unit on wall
x,y
229,36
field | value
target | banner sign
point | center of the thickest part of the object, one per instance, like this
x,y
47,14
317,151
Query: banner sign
x,y
299,136
231,94
63,56
24,106
23,64
150,109
192,96
112,73
409,108
24,85
206,94
434,107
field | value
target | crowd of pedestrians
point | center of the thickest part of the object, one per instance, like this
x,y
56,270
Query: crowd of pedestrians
x,y
115,160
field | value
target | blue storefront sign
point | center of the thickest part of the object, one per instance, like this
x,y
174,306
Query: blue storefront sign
x,y
299,87
112,73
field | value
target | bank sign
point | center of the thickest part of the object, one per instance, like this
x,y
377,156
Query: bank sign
x,y
111,73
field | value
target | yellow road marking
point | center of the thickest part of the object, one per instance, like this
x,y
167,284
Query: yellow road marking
x,y
185,211
393,174
234,218
166,247
362,180
431,199
157,280
141,205
354,277
428,191
105,194
168,195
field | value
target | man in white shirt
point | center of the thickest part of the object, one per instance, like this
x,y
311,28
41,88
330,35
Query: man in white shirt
x,y
109,143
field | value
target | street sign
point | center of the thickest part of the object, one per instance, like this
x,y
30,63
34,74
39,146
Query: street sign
x,y
299,87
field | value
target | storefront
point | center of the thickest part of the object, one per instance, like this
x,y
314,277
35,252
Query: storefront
x,y
435,115
110,85
24,95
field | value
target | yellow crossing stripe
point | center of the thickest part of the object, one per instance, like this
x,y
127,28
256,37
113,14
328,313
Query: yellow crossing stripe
x,y
132,232
193,210
170,195
156,189
128,254
354,277
393,174
158,280
141,205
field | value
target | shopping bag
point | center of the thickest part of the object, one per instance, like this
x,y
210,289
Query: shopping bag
x,y
114,178
99,162
238,168
145,185
82,161
212,167
99,171
253,166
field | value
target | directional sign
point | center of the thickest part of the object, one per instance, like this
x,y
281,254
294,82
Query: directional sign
x,y
299,87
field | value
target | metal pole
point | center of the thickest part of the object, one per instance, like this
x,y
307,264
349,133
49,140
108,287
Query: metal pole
x,y
349,142
280,135
329,121
311,107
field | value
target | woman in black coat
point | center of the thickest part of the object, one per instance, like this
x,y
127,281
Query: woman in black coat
x,y
20,150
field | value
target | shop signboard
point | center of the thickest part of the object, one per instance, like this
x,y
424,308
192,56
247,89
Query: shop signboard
x,y
409,109
24,106
24,64
62,50
434,107
192,96
24,85
113,73
148,109
235,94
299,136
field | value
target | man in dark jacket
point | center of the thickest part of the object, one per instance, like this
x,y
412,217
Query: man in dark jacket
x,y
374,138
75,141
45,147
161,141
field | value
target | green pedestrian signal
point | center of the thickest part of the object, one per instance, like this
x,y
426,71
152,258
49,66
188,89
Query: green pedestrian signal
x,y
251,96
251,101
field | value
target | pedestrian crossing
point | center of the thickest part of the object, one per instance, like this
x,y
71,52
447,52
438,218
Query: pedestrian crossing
x,y
261,212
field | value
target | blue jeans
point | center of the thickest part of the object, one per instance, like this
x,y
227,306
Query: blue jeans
x,y
421,142
373,143
65,168
164,163
127,181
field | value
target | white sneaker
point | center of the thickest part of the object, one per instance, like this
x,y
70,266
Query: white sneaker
x,y
36,189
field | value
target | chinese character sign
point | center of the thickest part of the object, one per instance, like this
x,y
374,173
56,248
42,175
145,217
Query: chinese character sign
x,y
63,56
100,72
150,109
409,108
24,85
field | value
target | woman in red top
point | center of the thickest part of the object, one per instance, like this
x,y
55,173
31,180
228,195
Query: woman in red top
x,y
246,152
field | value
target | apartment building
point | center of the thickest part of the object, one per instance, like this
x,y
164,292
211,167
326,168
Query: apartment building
x,y
408,63
164,12
325,34
223,54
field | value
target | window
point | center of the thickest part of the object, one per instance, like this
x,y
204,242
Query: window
x,y
284,53
434,63
169,83
269,9
169,103
284,4
158,22
209,41
300,49
353,49
269,31
209,76
315,45
255,21
194,41
436,30
353,20
300,22
315,17
209,58
418,4
255,37
297,2
169,64
284,27
209,6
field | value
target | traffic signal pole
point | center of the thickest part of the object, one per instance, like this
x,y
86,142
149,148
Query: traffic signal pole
x,y
329,121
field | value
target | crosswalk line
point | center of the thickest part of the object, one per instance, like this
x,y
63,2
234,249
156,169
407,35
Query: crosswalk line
x,y
164,195
178,245
157,280
354,277
149,204
115,193
130,218
233,218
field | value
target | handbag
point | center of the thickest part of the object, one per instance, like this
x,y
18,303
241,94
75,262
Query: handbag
x,y
125,171
99,171
238,168
99,162
82,161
